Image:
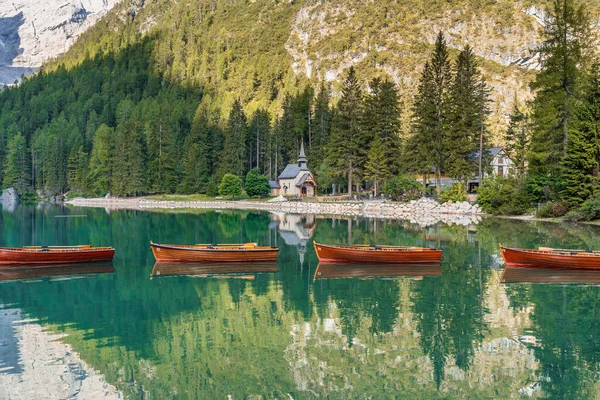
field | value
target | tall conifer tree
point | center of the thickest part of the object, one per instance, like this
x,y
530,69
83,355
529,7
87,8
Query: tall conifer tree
x,y
234,152
16,164
431,111
100,178
468,110
558,84
382,119
346,150
321,128
129,174
259,131
377,166
518,137
580,167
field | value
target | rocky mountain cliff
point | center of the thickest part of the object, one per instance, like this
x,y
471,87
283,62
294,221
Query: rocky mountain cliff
x,y
33,31
261,49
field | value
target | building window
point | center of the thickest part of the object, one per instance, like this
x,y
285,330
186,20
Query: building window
x,y
500,160
500,170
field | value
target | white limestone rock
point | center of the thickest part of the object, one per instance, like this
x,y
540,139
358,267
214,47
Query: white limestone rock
x,y
33,31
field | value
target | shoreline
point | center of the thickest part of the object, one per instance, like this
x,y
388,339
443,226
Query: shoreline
x,y
423,211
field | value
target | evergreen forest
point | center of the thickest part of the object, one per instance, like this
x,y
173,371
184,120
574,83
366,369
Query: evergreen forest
x,y
111,118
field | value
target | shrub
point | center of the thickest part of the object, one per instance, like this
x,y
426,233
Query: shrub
x,y
458,192
588,211
29,197
553,210
403,188
501,195
257,184
231,185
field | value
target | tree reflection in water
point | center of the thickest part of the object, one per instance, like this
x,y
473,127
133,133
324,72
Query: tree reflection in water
x,y
461,334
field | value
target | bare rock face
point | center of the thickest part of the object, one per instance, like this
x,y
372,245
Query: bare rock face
x,y
32,31
9,199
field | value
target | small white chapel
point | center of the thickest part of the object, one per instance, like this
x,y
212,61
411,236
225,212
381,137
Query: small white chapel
x,y
295,180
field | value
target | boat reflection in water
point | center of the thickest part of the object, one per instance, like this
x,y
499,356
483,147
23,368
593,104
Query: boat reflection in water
x,y
215,270
34,271
564,275
351,270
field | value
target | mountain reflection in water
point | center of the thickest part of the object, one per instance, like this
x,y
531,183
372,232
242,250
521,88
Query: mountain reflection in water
x,y
457,332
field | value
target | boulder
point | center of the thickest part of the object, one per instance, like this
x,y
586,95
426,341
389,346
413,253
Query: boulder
x,y
10,199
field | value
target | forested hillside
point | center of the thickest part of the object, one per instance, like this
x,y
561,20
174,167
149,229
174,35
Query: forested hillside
x,y
163,97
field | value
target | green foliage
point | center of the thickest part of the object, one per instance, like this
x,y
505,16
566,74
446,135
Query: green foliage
x,y
346,150
16,165
129,173
468,135
588,211
376,167
559,84
518,137
432,113
321,128
382,123
101,161
403,188
458,192
256,184
581,165
234,152
553,210
231,185
500,195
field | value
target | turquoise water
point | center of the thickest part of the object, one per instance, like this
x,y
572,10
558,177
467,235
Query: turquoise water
x,y
453,332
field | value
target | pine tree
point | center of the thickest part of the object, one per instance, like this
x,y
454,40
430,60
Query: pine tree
x,y
382,119
376,167
259,131
287,143
346,150
321,128
580,168
431,113
468,105
129,173
78,169
16,164
100,178
162,149
557,86
234,152
517,137
302,104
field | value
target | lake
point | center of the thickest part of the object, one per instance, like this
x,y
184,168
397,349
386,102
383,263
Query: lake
x,y
303,331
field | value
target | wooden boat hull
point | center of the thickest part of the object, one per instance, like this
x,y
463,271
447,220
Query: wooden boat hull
x,y
549,259
551,276
212,269
15,256
362,270
33,271
372,255
190,254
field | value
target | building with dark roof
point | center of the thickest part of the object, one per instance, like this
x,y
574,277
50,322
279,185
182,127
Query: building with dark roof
x,y
297,179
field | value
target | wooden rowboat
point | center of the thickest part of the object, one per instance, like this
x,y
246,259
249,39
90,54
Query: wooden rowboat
x,y
248,252
213,269
54,254
377,254
349,270
550,258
